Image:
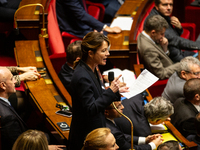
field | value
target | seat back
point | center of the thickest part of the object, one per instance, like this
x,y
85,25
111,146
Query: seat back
x,y
57,53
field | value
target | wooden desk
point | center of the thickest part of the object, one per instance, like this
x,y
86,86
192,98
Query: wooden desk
x,y
29,19
47,91
123,45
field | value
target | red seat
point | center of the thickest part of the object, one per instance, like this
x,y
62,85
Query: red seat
x,y
57,53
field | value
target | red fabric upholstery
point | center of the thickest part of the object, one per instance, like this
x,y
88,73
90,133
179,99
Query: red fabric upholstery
x,y
92,12
56,47
68,38
191,28
191,16
179,9
95,11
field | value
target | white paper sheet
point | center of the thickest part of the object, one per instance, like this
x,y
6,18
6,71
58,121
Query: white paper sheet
x,y
144,80
124,23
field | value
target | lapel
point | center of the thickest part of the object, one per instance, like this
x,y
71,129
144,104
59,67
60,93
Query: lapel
x,y
96,81
191,106
14,112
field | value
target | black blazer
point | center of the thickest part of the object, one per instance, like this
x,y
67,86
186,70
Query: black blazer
x,y
89,101
184,117
12,125
65,76
124,140
73,18
134,109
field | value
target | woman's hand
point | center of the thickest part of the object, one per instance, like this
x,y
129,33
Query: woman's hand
x,y
26,69
115,84
29,76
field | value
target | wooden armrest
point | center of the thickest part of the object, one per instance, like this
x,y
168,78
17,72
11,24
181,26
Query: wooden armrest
x,y
137,69
179,136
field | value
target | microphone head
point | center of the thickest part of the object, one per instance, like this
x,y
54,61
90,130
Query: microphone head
x,y
16,31
111,76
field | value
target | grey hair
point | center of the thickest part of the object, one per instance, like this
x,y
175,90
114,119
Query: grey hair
x,y
158,108
187,62
155,22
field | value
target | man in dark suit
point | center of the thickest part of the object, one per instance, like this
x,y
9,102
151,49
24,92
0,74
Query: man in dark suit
x,y
186,109
124,140
11,124
174,31
153,48
155,112
73,18
74,53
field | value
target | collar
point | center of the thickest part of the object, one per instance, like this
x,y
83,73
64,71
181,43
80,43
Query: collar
x,y
144,33
5,100
197,107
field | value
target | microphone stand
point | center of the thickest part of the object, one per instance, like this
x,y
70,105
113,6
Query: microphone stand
x,y
129,121
43,29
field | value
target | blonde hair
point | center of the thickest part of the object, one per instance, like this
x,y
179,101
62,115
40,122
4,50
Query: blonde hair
x,y
31,140
96,139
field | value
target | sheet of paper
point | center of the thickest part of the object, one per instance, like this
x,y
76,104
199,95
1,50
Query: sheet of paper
x,y
124,23
144,80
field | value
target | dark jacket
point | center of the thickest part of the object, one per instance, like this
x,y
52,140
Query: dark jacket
x,y
89,101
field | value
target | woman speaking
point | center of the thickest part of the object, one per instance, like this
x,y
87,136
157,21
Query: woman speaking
x,y
89,98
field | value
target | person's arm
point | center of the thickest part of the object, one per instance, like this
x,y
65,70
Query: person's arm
x,y
79,12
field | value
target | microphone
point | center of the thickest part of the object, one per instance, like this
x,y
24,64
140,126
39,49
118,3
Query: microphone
x,y
111,77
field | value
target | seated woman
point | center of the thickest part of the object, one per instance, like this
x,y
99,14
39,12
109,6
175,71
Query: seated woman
x,y
31,140
100,139
89,97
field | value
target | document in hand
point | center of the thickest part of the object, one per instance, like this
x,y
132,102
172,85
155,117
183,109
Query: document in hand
x,y
144,80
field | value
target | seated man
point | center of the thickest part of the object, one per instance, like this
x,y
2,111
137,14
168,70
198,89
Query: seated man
x,y
170,145
190,68
124,140
185,109
155,112
11,123
74,53
176,43
153,50
74,19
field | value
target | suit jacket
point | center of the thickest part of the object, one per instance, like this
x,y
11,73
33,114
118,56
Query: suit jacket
x,y
73,18
176,43
134,109
154,58
11,125
65,76
184,117
89,101
174,88
124,140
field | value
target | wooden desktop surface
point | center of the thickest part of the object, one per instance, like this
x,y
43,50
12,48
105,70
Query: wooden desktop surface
x,y
45,92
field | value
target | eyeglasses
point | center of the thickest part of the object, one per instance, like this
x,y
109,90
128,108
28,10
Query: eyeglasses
x,y
194,73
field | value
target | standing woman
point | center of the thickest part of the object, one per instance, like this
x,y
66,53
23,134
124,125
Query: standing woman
x,y
89,98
